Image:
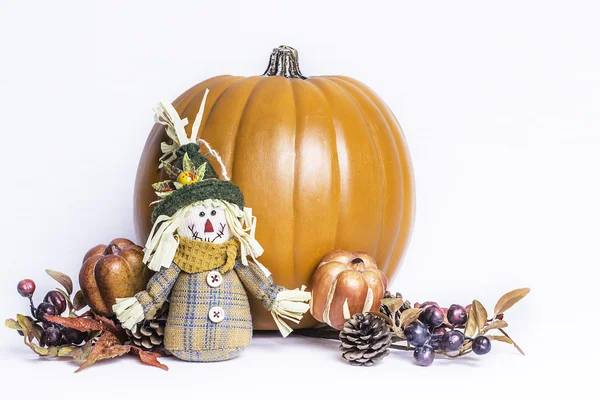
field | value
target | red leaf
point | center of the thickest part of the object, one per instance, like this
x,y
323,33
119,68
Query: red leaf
x,y
109,325
108,346
81,324
149,358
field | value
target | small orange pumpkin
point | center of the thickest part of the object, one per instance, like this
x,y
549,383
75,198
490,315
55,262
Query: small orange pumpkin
x,y
111,272
344,284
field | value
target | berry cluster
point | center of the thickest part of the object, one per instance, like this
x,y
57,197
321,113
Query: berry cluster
x,y
429,333
54,303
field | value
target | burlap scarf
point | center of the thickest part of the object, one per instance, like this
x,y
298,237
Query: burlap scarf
x,y
195,256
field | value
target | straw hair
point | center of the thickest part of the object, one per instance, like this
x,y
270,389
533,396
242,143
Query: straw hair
x,y
163,241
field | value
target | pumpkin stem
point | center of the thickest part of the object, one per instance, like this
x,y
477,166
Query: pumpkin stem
x,y
111,249
284,62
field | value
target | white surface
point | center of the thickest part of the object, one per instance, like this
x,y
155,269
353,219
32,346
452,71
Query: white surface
x,y
499,102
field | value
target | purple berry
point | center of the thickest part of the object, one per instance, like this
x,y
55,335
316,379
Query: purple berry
x,y
424,355
416,333
26,287
437,342
428,304
57,299
433,316
453,340
439,331
46,324
457,315
481,345
72,336
52,336
44,309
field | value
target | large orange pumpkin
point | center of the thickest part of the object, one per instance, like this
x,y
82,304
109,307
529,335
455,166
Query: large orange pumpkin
x,y
321,160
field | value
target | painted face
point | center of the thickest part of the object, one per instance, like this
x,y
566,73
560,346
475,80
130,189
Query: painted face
x,y
208,224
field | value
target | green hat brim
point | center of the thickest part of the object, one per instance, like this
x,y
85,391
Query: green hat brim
x,y
203,190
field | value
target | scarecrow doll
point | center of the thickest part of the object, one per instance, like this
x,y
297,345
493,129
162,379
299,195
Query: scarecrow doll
x,y
203,250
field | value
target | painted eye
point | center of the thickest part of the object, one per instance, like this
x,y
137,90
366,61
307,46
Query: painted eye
x,y
213,212
202,213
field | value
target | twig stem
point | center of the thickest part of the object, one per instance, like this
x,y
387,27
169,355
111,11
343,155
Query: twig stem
x,y
513,342
321,333
400,347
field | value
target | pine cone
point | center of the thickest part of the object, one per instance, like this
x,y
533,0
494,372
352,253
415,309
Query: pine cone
x,y
386,311
149,334
366,339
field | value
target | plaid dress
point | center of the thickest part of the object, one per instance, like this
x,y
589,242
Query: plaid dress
x,y
190,334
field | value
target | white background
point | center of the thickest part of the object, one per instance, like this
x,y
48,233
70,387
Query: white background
x,y
500,105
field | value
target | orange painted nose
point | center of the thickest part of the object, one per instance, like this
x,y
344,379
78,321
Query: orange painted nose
x,y
208,227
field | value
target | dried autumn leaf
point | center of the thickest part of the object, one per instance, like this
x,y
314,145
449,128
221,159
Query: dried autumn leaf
x,y
94,334
388,301
382,316
471,325
81,324
510,299
52,351
109,325
513,342
163,195
24,322
161,186
389,321
395,306
26,326
201,171
172,171
497,324
392,303
188,166
79,301
41,351
480,314
61,278
37,332
12,324
107,339
104,354
66,351
500,338
409,316
83,352
149,358
108,346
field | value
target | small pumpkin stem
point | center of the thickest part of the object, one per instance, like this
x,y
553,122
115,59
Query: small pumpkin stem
x,y
111,249
284,62
358,263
